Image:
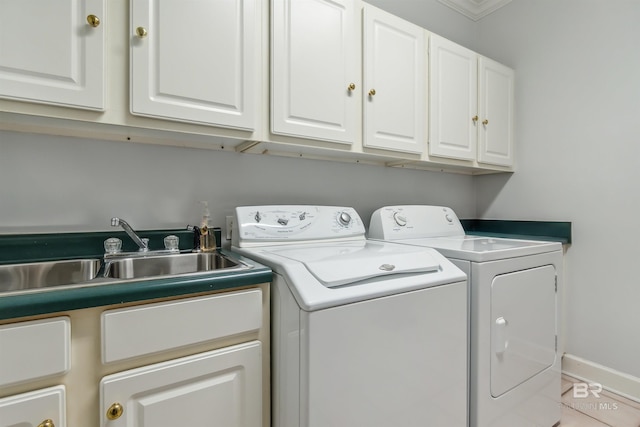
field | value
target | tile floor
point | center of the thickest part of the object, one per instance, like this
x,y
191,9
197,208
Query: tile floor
x,y
607,410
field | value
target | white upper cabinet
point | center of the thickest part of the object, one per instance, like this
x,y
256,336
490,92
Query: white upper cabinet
x,y
453,96
315,69
196,61
495,112
471,105
330,79
53,52
394,89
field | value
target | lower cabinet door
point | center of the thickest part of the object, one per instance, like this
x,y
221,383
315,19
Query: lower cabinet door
x,y
221,387
34,408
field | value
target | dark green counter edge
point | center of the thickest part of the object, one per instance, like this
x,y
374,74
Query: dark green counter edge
x,y
554,231
34,303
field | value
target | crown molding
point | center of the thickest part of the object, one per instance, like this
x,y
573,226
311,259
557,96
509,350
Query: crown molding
x,y
475,9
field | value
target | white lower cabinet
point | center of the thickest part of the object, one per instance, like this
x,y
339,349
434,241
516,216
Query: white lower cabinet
x,y
23,343
148,329
33,351
220,387
41,408
192,362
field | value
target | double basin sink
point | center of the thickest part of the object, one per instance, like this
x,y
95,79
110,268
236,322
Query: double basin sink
x,y
40,275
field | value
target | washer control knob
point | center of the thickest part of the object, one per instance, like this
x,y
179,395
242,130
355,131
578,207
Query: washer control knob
x,y
258,217
400,219
344,219
448,218
283,221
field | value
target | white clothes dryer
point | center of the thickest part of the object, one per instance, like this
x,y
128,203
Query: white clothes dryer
x,y
515,365
364,334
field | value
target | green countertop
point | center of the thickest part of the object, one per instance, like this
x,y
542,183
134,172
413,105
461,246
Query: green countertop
x,y
44,247
552,231
100,292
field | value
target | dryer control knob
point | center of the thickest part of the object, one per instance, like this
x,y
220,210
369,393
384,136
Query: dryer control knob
x,y
448,218
283,221
344,219
401,220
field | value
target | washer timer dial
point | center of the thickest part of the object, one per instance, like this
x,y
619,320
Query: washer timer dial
x,y
400,219
344,219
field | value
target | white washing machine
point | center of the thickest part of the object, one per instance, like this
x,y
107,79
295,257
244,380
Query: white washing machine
x,y
515,365
364,334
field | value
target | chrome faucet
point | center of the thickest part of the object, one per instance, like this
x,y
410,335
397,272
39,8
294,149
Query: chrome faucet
x,y
142,243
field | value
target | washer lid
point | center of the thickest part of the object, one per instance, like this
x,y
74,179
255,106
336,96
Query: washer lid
x,y
337,265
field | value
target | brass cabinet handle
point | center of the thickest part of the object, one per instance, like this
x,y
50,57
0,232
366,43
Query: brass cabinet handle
x,y
474,118
485,122
351,87
47,423
141,32
372,92
94,21
115,411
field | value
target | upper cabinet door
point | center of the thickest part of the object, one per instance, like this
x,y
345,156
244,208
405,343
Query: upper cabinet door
x,y
394,87
315,69
495,111
196,60
453,94
53,52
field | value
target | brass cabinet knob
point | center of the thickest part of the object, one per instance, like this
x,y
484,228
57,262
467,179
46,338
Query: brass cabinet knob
x,y
474,118
47,423
372,92
351,87
141,32
115,411
94,21
485,122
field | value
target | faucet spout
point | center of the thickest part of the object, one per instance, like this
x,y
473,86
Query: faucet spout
x,y
142,244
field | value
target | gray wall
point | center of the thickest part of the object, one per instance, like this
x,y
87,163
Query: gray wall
x,y
577,127
52,183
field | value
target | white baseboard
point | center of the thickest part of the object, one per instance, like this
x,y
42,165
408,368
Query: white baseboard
x,y
614,381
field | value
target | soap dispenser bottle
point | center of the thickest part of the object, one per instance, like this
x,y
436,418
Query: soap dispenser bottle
x,y
207,240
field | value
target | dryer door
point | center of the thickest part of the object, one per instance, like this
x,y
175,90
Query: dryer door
x,y
523,330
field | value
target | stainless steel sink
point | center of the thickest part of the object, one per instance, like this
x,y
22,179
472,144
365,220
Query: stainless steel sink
x,y
36,275
170,265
